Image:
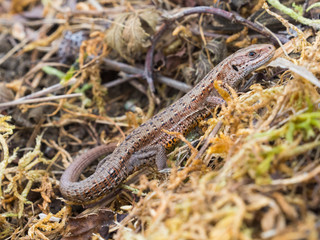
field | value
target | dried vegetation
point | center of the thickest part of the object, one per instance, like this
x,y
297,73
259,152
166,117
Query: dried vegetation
x,y
255,173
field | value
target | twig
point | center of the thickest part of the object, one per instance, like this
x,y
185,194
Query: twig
x,y
138,86
209,34
116,82
298,179
9,22
13,50
51,89
211,135
148,66
232,16
117,66
37,100
218,35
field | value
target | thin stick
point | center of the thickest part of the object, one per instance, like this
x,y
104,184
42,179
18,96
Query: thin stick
x,y
211,135
40,93
37,100
118,66
13,50
148,66
233,17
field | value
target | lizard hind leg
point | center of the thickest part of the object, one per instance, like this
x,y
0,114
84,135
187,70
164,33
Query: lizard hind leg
x,y
147,154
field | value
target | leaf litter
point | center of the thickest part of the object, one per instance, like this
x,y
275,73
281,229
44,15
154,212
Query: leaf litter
x,y
258,178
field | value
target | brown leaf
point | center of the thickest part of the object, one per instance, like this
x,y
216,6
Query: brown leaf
x,y
214,49
6,94
130,33
174,60
82,227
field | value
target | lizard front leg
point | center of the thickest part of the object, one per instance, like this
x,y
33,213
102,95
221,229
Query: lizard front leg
x,y
213,101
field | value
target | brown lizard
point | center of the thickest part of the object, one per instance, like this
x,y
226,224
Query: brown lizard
x,y
148,143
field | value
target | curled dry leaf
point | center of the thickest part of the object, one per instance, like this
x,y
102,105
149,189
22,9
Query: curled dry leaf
x,y
300,70
216,51
130,33
82,227
6,94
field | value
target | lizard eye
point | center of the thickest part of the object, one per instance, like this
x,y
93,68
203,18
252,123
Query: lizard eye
x,y
252,54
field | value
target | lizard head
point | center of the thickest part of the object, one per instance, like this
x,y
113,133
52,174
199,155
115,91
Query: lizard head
x,y
248,59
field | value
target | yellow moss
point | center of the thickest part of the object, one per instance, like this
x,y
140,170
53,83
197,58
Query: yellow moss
x,y
220,145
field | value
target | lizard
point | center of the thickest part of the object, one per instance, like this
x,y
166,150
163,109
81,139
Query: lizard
x,y
148,143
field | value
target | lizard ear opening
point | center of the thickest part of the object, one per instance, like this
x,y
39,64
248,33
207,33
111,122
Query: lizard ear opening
x,y
235,67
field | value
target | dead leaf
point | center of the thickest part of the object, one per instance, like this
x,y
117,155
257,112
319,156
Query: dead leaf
x,y
82,227
6,94
216,51
130,33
